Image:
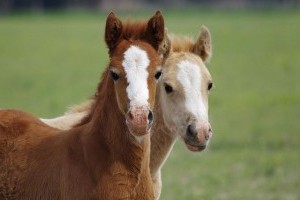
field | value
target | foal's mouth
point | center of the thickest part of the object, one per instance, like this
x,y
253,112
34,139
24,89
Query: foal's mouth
x,y
194,146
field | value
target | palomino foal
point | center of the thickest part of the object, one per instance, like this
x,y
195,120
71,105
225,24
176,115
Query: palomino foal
x,y
105,158
181,108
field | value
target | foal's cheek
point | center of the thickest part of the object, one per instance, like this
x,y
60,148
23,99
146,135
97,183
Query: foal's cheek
x,y
122,99
205,101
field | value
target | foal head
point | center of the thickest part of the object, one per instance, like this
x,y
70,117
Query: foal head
x,y
135,67
184,88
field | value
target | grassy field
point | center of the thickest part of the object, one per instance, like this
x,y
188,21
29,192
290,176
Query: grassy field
x,y
48,62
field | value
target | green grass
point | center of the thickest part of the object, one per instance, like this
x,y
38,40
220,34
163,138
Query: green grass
x,y
49,62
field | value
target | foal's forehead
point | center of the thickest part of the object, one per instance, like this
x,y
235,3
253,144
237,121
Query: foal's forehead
x,y
134,50
187,64
189,75
136,62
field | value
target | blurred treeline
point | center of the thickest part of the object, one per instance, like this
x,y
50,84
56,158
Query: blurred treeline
x,y
8,6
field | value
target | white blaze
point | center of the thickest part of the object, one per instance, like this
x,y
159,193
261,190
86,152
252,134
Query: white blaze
x,y
189,75
135,64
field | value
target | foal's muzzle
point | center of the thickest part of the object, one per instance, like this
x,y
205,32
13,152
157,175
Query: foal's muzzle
x,y
197,136
139,120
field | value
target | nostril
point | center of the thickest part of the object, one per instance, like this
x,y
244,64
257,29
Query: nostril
x,y
207,136
130,115
209,129
150,116
191,132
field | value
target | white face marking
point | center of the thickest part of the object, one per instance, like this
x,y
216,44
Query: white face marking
x,y
189,75
135,64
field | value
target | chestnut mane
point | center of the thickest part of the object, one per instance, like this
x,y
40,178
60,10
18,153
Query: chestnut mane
x,y
134,30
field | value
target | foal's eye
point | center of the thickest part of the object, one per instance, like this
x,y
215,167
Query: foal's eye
x,y
210,85
168,88
157,75
114,75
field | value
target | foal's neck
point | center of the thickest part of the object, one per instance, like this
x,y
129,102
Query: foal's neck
x,y
109,132
162,140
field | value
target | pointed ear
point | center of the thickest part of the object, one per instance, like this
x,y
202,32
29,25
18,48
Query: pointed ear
x,y
165,46
156,30
203,46
113,30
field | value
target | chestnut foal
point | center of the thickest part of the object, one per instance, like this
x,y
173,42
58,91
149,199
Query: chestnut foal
x,y
106,157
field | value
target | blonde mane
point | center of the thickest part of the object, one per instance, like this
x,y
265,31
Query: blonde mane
x,y
181,43
82,107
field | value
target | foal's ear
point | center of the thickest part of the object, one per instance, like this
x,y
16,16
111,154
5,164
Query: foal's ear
x,y
156,30
203,47
165,47
113,30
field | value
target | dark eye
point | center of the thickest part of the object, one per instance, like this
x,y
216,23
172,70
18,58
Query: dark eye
x,y
210,85
157,75
114,76
168,88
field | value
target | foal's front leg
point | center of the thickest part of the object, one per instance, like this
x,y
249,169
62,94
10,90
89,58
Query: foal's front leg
x,y
157,184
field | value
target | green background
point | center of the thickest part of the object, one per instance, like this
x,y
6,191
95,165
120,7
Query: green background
x,y
51,61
